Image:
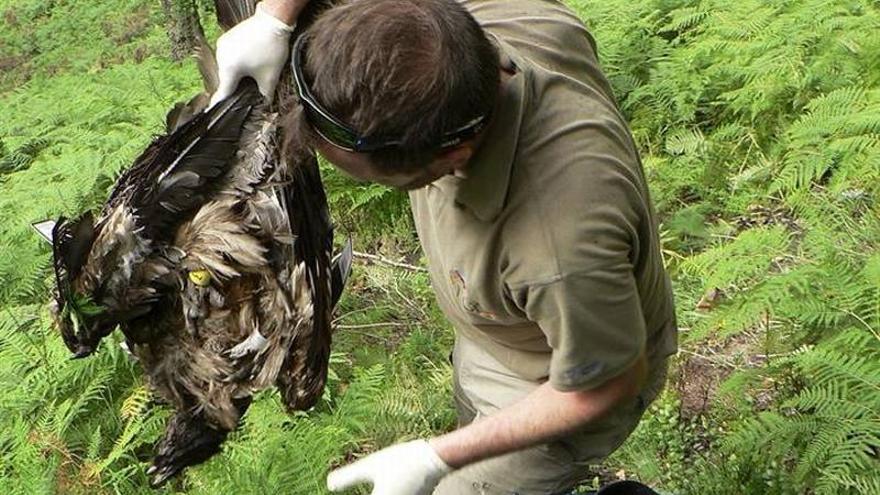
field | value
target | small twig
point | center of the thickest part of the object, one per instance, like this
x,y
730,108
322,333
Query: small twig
x,y
862,321
716,359
386,261
349,314
774,356
367,334
373,325
409,302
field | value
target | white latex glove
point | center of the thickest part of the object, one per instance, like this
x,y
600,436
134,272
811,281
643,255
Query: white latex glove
x,y
411,468
256,47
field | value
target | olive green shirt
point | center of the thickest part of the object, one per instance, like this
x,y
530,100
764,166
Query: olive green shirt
x,y
547,252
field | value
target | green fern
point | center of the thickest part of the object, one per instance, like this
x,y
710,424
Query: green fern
x,y
837,141
834,422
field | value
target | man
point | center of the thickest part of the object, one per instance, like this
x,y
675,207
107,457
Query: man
x,y
532,208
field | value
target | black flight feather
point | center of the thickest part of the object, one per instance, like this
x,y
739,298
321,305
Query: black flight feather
x,y
311,224
303,382
71,242
177,172
340,269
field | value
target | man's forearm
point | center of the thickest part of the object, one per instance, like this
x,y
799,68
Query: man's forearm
x,y
543,415
284,10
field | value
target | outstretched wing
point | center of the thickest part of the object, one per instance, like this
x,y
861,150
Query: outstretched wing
x,y
178,172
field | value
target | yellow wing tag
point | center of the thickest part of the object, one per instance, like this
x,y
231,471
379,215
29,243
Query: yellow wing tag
x,y
202,278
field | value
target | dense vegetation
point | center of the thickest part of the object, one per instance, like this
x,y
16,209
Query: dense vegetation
x,y
759,124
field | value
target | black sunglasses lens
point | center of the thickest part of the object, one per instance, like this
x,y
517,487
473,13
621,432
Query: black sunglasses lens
x,y
330,131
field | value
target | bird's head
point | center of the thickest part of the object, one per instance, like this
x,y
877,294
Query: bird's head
x,y
77,308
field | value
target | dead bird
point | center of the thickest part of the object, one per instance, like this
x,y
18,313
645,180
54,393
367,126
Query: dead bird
x,y
213,256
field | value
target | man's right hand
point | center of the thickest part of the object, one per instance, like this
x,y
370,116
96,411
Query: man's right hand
x,y
257,47
411,468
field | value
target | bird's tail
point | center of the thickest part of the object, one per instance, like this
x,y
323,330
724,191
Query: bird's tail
x,y
231,12
189,440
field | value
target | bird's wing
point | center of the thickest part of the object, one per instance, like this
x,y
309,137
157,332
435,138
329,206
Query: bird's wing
x,y
183,112
178,172
340,270
189,439
302,377
71,242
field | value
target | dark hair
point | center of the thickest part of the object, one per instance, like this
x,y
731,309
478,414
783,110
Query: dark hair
x,y
410,70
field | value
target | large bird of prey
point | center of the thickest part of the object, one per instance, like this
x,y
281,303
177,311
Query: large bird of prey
x,y
213,257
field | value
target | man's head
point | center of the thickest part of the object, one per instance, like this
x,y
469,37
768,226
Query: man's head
x,y
416,73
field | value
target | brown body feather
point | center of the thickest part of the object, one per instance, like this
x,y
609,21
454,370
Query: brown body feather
x,y
262,279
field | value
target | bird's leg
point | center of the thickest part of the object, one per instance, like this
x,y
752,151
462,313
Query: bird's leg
x,y
194,299
192,322
254,343
247,318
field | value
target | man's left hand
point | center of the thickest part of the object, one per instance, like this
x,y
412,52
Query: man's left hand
x,y
256,47
411,468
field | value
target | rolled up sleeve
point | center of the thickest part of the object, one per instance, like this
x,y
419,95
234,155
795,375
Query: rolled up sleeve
x,y
593,322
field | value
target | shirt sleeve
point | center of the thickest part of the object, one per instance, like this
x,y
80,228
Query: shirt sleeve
x,y
593,322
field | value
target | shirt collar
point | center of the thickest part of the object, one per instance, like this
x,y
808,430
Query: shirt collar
x,y
484,188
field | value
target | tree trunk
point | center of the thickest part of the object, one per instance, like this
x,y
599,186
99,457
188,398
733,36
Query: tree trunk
x,y
182,25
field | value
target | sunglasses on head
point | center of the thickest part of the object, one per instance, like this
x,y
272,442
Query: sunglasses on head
x,y
337,133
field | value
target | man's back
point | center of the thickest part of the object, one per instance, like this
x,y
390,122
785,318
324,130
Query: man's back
x,y
547,253
546,32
